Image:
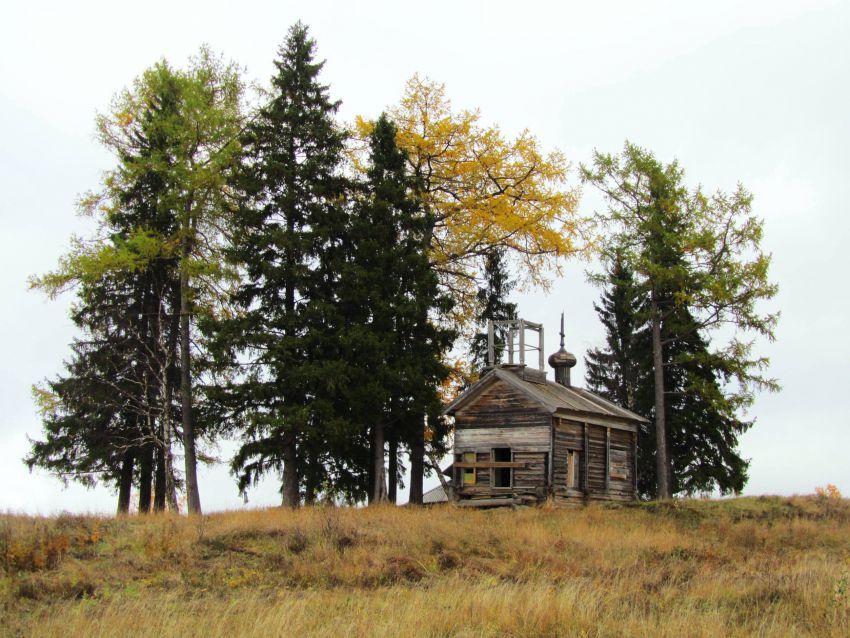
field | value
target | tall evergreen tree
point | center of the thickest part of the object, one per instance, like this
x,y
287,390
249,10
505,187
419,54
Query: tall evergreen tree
x,y
88,437
493,304
291,192
615,370
387,294
111,406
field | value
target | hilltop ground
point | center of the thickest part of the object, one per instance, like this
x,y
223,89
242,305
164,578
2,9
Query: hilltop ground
x,y
750,566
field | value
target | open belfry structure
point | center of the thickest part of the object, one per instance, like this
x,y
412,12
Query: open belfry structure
x,y
521,438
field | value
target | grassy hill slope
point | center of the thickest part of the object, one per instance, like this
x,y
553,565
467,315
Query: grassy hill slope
x,y
751,566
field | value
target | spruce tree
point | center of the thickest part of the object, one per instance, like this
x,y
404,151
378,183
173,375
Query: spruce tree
x,y
615,371
87,437
387,295
110,408
290,189
492,304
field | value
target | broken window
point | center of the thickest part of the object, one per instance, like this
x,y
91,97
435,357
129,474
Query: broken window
x,y
469,472
502,475
572,469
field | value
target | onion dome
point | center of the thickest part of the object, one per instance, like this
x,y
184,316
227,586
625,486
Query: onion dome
x,y
562,360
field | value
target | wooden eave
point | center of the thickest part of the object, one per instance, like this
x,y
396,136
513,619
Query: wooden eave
x,y
597,419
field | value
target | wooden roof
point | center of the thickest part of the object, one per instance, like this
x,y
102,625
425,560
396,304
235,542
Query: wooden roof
x,y
554,397
435,495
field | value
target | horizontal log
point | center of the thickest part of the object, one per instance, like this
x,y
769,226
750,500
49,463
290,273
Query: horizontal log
x,y
530,438
483,464
488,502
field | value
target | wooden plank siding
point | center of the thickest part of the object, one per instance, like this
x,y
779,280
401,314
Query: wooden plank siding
x,y
502,405
618,455
529,439
533,475
595,461
622,485
498,419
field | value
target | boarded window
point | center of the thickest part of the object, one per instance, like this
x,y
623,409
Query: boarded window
x,y
618,463
502,475
572,469
469,472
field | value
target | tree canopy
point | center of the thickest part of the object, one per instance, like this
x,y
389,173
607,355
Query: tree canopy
x,y
697,262
483,190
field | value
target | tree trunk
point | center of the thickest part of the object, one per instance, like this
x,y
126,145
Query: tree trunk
x,y
167,434
392,470
417,463
125,484
379,484
172,385
661,458
193,496
159,480
289,489
145,476
290,473
443,483
310,482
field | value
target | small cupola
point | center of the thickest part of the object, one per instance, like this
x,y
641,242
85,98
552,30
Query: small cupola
x,y
562,361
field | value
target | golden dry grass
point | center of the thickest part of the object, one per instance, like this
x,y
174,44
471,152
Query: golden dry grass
x,y
750,566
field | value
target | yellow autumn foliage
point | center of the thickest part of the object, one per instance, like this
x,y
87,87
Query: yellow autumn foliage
x,y
483,190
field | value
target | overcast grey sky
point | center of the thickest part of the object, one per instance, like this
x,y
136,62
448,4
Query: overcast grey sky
x,y
755,92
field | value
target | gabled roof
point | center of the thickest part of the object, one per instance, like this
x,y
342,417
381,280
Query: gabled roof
x,y
552,396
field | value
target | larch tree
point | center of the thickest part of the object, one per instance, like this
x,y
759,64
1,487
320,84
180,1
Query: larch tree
x,y
162,213
697,259
483,190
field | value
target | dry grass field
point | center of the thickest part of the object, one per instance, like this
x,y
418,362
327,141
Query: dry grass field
x,y
763,566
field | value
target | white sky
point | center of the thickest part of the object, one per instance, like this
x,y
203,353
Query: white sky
x,y
755,92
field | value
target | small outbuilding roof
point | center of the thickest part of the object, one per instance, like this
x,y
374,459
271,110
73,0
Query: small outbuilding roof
x,y
435,495
554,397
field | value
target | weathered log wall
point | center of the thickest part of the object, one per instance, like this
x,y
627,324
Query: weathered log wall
x,y
529,439
533,475
610,453
501,405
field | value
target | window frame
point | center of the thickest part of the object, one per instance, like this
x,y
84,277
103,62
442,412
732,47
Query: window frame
x,y
494,471
469,471
573,470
